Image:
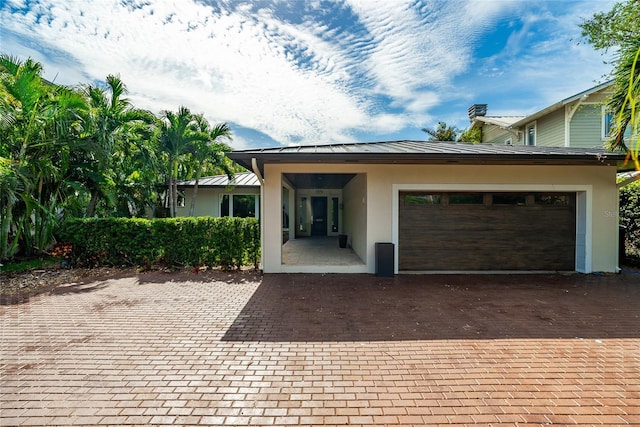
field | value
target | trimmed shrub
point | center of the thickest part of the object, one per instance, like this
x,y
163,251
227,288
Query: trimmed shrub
x,y
630,220
226,242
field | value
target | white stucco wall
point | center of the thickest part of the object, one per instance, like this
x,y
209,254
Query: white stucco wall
x,y
355,214
383,182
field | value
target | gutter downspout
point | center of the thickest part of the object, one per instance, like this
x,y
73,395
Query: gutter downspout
x,y
256,170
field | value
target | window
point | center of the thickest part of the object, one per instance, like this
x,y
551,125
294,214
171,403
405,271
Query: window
x,y
244,206
303,223
285,208
335,206
422,199
607,122
509,199
180,202
224,205
466,199
552,199
530,135
240,205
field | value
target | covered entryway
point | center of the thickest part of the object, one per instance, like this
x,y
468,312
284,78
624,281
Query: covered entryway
x,y
476,231
321,208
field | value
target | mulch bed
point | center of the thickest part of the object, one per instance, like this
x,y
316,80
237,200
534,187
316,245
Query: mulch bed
x,y
18,287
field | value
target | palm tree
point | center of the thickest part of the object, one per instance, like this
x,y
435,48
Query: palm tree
x,y
209,155
111,125
442,132
137,174
179,134
38,127
624,103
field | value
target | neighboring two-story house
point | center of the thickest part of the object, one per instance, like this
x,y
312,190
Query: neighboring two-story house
x,y
579,121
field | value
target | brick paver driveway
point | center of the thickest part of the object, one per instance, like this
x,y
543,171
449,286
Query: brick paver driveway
x,y
240,349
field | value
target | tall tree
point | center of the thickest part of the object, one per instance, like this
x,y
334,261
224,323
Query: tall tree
x,y
209,155
442,132
111,126
618,30
472,135
179,134
39,126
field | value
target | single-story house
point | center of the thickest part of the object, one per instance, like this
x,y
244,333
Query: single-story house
x,y
220,196
445,207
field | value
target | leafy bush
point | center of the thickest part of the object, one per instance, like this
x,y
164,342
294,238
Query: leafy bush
x,y
226,242
630,220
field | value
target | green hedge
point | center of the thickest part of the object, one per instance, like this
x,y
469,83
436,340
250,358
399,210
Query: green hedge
x,y
227,242
630,220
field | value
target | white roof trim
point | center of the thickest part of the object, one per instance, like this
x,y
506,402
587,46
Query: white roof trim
x,y
579,96
500,121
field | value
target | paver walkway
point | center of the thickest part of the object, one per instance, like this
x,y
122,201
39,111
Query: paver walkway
x,y
325,350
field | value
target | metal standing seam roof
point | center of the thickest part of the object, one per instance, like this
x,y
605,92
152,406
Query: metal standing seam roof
x,y
244,179
424,152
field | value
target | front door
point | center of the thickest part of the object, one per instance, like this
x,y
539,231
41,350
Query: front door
x,y
319,216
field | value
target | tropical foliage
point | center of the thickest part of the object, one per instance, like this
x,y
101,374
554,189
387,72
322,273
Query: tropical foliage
x,y
444,132
618,31
87,151
228,242
630,220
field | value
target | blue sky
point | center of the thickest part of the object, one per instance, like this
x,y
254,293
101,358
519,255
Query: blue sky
x,y
314,72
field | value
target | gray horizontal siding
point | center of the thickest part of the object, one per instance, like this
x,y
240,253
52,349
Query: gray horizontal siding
x,y
586,127
550,130
495,135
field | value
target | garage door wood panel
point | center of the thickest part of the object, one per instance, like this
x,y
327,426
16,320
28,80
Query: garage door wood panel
x,y
486,237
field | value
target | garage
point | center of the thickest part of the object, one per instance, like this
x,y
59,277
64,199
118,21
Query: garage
x,y
448,206
476,231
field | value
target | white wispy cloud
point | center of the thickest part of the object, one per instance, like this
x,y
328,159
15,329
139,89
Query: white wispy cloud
x,y
542,69
298,72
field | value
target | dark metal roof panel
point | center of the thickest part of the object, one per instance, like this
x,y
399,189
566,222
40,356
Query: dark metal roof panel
x,y
425,152
427,147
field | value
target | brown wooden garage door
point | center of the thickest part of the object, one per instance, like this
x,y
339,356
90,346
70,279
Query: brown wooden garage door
x,y
487,231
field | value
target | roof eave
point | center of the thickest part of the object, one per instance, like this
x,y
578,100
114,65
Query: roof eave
x,y
561,104
218,186
244,159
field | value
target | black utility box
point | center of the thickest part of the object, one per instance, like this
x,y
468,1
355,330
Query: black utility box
x,y
385,259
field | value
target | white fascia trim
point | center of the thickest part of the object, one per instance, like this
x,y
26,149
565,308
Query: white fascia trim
x,y
586,189
256,170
